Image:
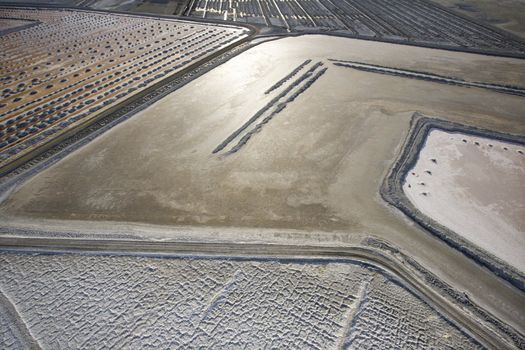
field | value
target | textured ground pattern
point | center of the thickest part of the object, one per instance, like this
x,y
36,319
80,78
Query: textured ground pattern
x,y
8,337
13,331
77,64
418,21
386,303
79,302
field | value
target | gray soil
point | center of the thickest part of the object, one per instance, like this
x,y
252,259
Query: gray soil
x,y
508,15
315,166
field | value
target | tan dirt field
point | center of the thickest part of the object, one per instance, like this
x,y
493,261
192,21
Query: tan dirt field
x,y
316,166
304,169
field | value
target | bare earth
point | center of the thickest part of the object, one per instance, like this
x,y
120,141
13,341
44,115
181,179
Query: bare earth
x,y
85,302
474,186
312,168
301,170
506,14
243,210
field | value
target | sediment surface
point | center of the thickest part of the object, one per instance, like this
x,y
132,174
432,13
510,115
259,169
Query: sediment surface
x,y
307,146
301,166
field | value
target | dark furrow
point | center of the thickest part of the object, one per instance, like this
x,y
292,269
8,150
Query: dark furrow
x,y
279,108
269,105
504,89
288,77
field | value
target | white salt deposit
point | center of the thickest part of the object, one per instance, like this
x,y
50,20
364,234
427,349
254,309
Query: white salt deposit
x,y
475,187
